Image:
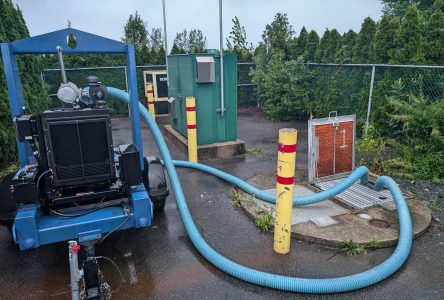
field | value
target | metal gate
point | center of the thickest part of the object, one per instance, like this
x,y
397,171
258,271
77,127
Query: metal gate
x,y
331,147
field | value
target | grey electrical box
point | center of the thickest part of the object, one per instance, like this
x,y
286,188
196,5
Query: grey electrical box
x,y
205,69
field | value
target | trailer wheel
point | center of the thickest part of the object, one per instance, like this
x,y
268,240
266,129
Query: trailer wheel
x,y
159,205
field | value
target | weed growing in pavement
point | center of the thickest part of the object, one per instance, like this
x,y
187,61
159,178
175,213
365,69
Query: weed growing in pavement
x,y
375,242
254,151
235,198
352,248
265,223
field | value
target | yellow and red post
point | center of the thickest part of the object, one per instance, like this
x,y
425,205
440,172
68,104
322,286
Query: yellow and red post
x,y
150,97
191,128
284,189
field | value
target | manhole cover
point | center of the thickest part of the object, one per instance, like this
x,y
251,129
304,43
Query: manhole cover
x,y
379,223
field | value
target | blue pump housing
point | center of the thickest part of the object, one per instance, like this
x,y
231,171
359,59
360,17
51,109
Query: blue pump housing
x,y
33,226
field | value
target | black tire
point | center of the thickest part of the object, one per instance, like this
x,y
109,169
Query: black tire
x,y
159,205
155,182
9,227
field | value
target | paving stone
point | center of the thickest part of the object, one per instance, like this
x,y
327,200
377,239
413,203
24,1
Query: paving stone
x,y
319,213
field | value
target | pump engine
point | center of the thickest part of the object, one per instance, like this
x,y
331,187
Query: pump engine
x,y
74,160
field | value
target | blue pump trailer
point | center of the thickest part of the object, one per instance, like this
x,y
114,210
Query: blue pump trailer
x,y
32,227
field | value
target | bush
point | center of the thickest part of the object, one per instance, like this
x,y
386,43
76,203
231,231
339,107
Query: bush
x,y
286,88
410,142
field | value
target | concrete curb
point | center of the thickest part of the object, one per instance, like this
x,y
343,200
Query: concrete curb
x,y
350,226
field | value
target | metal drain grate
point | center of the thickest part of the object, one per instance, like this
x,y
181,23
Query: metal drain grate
x,y
358,196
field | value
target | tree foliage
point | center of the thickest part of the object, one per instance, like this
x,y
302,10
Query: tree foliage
x,y
362,50
435,35
135,31
410,39
13,27
384,41
410,121
237,42
399,7
193,41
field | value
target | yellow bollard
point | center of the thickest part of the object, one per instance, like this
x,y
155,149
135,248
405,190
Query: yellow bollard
x,y
150,96
284,189
192,128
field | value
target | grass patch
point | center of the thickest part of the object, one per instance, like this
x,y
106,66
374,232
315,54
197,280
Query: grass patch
x,y
265,223
254,151
235,198
352,248
375,242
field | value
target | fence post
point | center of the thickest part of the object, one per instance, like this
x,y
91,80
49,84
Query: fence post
x,y
284,189
370,95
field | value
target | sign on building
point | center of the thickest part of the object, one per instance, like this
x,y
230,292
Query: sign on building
x,y
331,147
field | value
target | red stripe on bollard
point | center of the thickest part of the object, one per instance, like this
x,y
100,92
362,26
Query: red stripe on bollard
x,y
191,126
191,108
151,102
287,148
285,180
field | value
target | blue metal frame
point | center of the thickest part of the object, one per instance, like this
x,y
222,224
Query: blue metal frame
x,y
32,227
86,43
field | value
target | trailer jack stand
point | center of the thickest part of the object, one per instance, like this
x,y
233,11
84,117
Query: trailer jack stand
x,y
94,287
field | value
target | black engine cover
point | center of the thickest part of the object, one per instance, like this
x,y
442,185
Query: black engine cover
x,y
79,146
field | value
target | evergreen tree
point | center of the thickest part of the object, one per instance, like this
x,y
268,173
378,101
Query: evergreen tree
x,y
345,54
13,27
333,44
297,45
384,41
399,7
176,49
302,39
362,51
180,43
323,43
136,31
161,56
197,41
277,34
237,42
409,39
193,41
311,47
435,36
156,39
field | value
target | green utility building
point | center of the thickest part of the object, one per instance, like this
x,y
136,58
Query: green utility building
x,y
198,75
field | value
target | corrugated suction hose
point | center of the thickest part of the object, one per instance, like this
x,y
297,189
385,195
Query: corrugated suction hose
x,y
293,284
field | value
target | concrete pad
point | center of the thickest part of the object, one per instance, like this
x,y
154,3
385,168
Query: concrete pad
x,y
209,151
319,213
329,223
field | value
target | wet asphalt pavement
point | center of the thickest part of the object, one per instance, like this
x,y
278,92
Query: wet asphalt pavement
x,y
160,262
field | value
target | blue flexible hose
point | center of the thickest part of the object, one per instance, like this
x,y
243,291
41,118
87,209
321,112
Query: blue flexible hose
x,y
360,173
304,285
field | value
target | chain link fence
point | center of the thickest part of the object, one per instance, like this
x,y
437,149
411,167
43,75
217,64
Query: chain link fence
x,y
364,89
360,89
111,76
247,94
347,88
116,77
